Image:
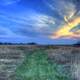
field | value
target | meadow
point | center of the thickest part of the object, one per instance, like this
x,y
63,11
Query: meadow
x,y
22,62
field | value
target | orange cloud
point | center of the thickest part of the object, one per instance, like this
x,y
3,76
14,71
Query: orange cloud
x,y
65,30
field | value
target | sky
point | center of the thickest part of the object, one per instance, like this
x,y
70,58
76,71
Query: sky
x,y
40,21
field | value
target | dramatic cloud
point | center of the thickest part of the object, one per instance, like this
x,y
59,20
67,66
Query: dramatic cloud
x,y
65,30
40,20
63,7
68,10
37,25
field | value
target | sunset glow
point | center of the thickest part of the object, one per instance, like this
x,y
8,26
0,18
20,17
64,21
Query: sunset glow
x,y
65,30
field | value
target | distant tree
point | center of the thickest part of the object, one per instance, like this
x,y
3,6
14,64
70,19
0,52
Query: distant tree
x,y
32,43
1,43
77,44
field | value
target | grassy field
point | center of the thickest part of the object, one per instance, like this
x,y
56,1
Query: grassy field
x,y
38,66
22,62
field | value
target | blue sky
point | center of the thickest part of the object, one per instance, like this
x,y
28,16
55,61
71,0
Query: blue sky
x,y
23,21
